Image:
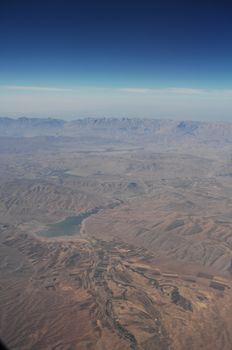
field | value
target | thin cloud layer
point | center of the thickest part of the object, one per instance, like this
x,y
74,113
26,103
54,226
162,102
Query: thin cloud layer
x,y
35,88
177,90
169,102
130,90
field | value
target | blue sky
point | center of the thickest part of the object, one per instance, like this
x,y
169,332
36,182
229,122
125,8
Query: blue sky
x,y
154,58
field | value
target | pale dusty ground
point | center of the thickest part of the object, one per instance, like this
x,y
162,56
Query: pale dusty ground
x,y
162,206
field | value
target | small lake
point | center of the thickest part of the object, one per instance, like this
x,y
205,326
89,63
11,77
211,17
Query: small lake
x,y
68,227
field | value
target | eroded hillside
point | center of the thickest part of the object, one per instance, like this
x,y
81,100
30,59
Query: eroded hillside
x,y
115,234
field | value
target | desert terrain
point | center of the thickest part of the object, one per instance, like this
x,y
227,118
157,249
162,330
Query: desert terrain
x,y
115,234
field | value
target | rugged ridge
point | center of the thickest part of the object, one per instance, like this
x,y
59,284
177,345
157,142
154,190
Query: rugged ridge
x,y
145,130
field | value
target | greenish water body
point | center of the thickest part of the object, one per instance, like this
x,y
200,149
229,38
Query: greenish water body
x,y
67,227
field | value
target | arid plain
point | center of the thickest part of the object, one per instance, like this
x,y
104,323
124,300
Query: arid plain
x,y
115,234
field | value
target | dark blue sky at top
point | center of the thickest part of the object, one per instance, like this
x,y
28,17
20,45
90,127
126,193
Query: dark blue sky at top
x,y
116,43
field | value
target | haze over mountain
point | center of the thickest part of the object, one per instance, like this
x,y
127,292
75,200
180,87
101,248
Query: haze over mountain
x,y
134,130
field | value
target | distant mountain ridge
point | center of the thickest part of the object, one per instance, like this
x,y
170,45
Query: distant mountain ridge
x,y
30,122
146,130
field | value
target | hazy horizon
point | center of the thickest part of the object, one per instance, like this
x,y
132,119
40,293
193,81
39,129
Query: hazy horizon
x,y
160,60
